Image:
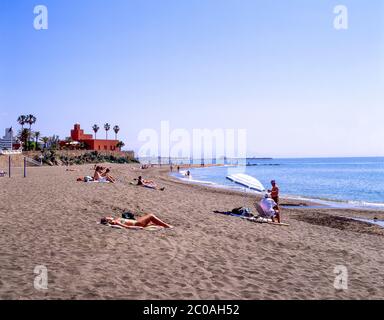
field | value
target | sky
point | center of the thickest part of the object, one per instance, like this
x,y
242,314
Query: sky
x,y
278,69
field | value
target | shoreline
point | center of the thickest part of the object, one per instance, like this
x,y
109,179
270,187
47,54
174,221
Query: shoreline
x,y
315,202
288,203
353,213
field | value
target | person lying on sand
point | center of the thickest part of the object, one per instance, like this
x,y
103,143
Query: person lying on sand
x,y
141,222
241,212
147,183
268,205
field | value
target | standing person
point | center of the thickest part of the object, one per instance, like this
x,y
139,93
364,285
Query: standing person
x,y
171,167
274,192
178,168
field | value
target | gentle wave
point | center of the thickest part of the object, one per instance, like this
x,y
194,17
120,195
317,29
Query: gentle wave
x,y
347,204
196,181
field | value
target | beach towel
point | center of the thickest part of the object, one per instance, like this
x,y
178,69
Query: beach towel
x,y
241,212
149,186
98,181
147,228
230,213
257,219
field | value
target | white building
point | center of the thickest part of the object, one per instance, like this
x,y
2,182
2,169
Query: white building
x,y
8,139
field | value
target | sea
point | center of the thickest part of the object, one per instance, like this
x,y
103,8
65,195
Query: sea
x,y
338,182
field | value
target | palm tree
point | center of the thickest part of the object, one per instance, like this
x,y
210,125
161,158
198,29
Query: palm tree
x,y
31,119
24,136
45,141
95,129
37,136
116,129
54,142
22,120
120,144
107,127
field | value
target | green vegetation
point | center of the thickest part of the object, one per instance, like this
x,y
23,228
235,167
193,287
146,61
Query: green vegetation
x,y
26,135
52,158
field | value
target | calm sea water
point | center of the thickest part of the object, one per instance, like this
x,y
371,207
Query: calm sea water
x,y
353,181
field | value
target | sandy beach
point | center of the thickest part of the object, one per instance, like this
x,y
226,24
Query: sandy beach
x,y
50,219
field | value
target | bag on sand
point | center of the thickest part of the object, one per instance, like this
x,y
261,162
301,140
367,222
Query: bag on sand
x,y
128,215
246,212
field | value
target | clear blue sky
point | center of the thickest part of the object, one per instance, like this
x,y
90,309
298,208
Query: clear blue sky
x,y
276,68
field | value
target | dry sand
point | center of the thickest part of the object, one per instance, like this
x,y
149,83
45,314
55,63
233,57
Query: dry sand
x,y
50,219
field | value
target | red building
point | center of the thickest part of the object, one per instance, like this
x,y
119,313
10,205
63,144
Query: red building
x,y
77,134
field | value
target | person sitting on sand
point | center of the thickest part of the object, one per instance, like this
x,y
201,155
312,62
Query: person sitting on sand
x,y
268,205
98,175
141,222
147,183
98,167
106,175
